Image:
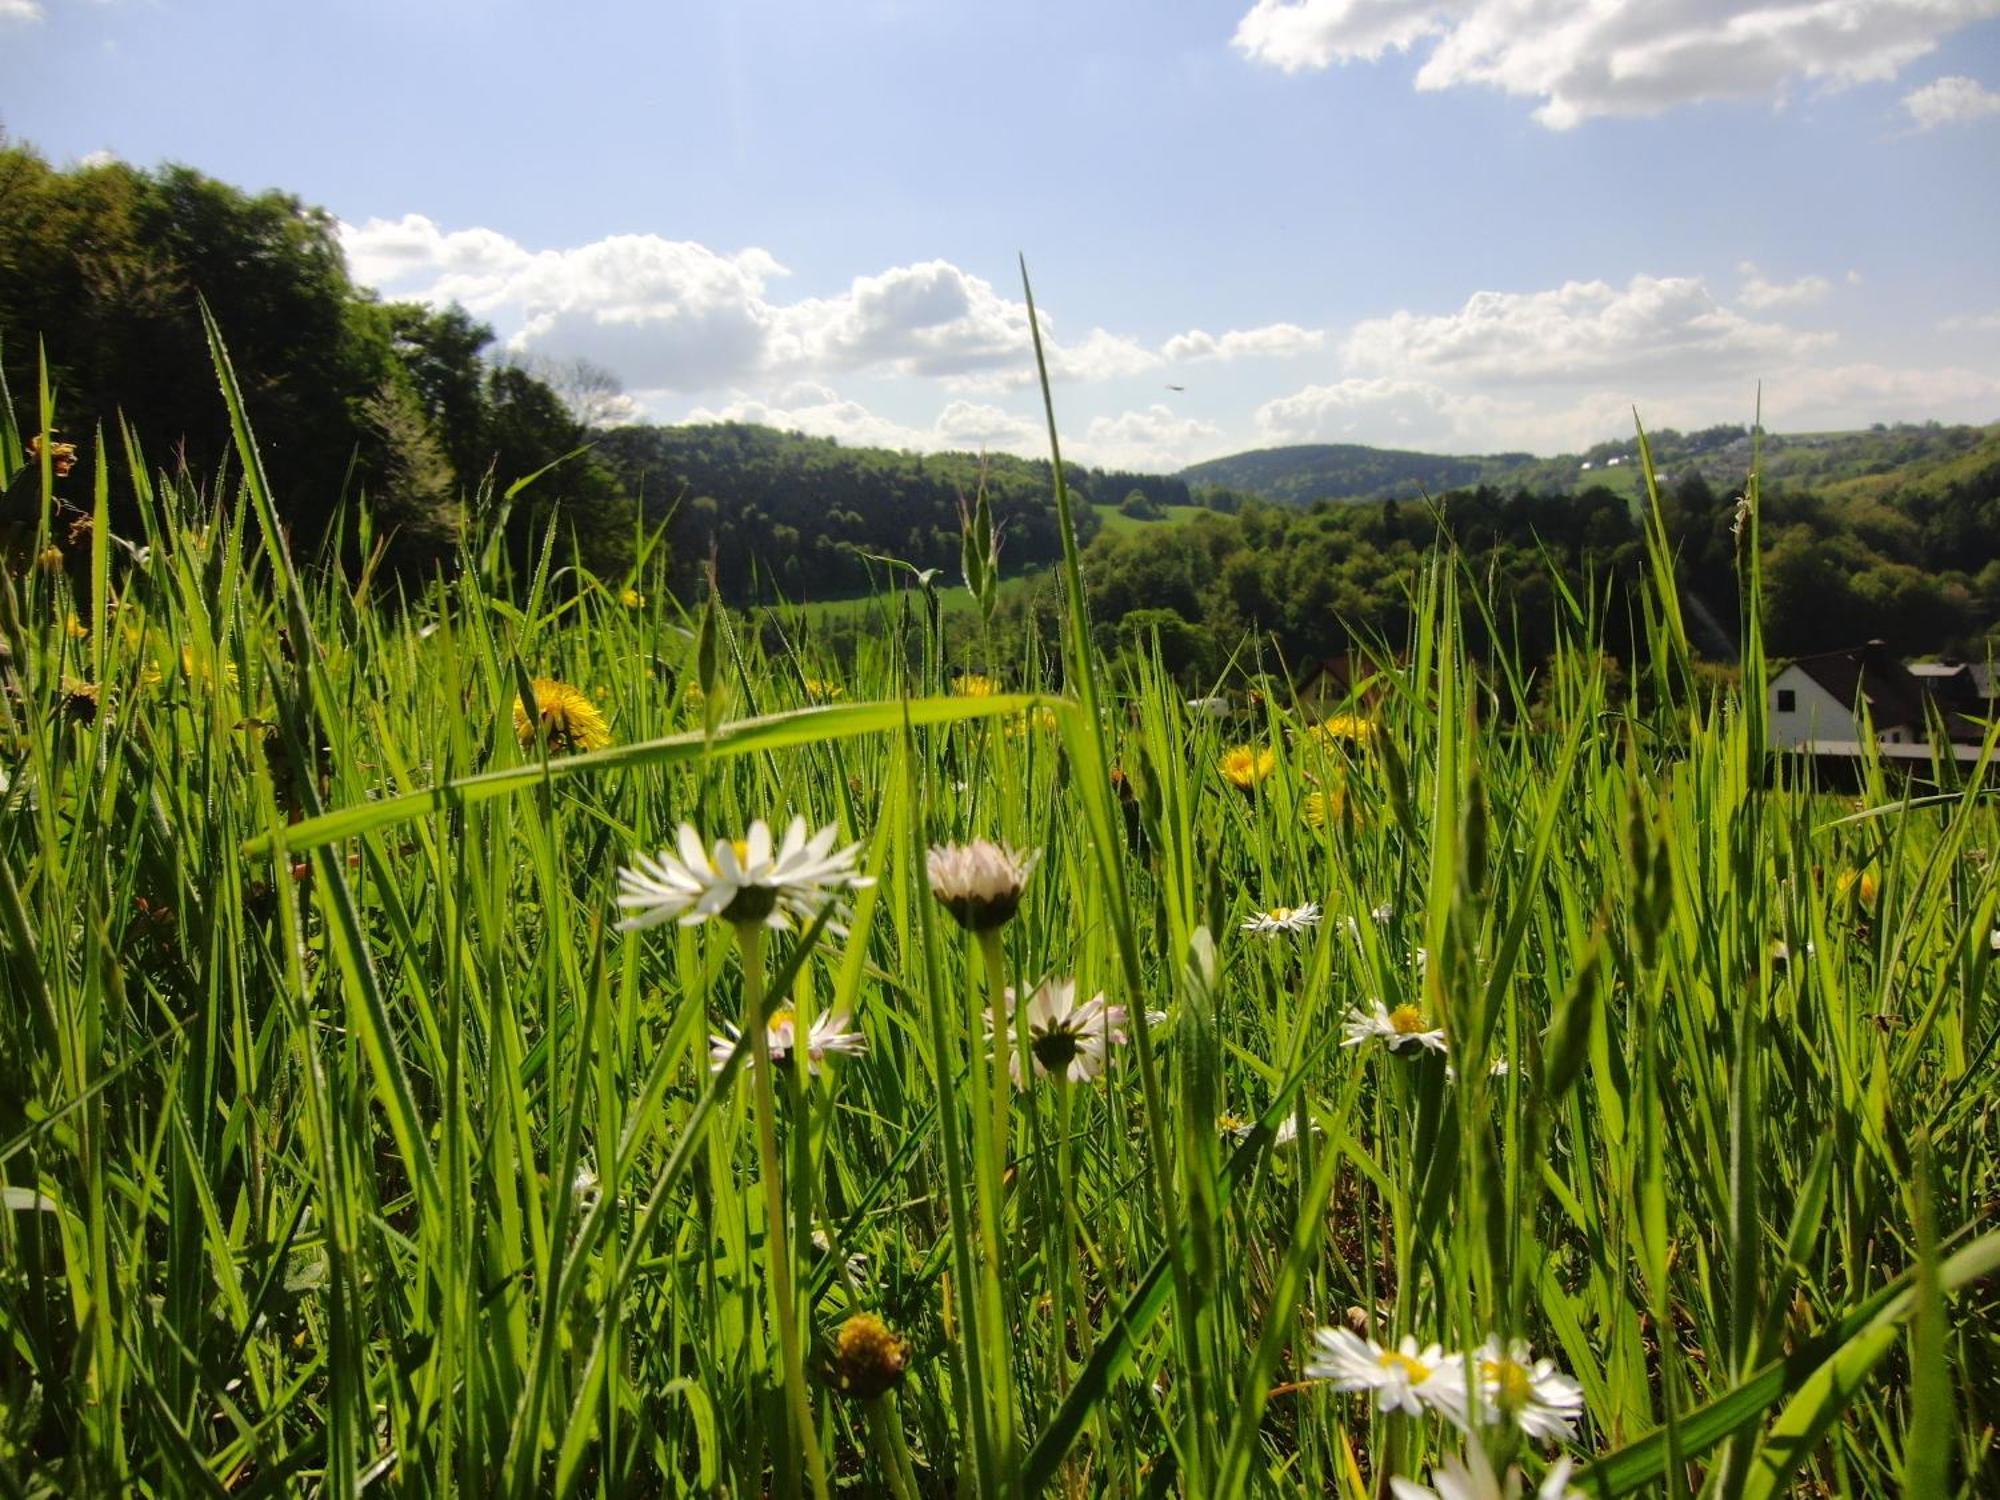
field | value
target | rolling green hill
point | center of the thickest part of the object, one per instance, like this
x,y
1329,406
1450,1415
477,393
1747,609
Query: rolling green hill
x,y
1867,459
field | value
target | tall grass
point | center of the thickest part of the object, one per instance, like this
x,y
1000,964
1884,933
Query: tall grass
x,y
348,1146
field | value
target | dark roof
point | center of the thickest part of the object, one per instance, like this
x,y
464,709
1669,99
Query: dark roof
x,y
1868,672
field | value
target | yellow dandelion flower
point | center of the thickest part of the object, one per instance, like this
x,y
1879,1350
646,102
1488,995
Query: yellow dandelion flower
x,y
975,685
1244,766
1019,725
1342,728
1321,808
564,716
821,690
196,670
631,598
75,629
1861,885
693,699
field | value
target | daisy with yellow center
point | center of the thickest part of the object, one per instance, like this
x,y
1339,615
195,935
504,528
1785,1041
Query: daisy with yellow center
x,y
1472,1478
1280,920
564,718
1405,1378
980,883
1531,1393
828,1034
1396,1029
974,685
1068,1039
1245,766
751,883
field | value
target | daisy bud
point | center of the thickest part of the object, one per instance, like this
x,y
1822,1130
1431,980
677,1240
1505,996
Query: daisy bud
x,y
980,883
868,1359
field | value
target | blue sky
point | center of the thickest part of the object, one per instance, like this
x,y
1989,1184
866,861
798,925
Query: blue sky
x,y
1454,224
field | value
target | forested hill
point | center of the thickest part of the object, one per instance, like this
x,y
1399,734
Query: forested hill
x,y
794,515
1721,455
1347,471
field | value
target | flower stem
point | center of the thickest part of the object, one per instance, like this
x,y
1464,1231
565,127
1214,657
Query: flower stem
x,y
885,1436
777,1250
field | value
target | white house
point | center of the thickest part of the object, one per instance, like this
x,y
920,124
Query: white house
x,y
1819,698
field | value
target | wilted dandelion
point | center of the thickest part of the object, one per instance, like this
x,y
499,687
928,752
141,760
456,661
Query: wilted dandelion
x,y
747,883
828,1034
563,716
79,700
1405,1378
1284,919
980,883
1397,1028
62,456
869,1360
1068,1040
1246,766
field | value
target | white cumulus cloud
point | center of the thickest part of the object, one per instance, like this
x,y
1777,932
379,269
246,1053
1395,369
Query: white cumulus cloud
x,y
676,315
1157,438
1272,341
19,10
1586,58
1650,329
1950,101
817,409
1759,291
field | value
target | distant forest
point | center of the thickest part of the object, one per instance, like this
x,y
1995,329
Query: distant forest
x,y
407,411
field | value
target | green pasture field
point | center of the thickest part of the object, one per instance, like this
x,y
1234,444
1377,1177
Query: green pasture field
x,y
349,1144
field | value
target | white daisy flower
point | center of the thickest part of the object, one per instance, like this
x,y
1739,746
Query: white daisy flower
x,y
980,883
1397,1028
1472,1478
1405,1378
1067,1039
1381,914
1282,919
1532,1393
828,1034
1285,1133
748,883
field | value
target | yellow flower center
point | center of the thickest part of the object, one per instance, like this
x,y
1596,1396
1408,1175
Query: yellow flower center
x,y
1408,1020
1415,1370
1512,1379
1280,914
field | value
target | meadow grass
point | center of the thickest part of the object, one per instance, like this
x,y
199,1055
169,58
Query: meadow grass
x,y
349,1145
